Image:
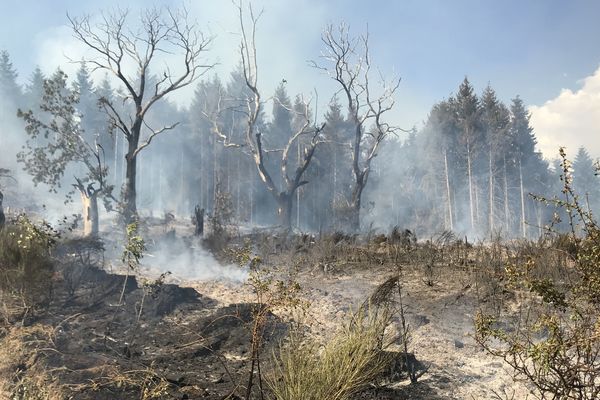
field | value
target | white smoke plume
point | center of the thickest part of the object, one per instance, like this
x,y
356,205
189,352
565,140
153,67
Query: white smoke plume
x,y
191,262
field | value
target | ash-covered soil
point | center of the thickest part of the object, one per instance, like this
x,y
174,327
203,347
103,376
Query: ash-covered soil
x,y
440,318
191,339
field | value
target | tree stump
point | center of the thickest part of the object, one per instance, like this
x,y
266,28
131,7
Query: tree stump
x,y
2,217
199,221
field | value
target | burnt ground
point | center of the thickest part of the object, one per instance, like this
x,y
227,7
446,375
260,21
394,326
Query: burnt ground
x,y
88,346
192,339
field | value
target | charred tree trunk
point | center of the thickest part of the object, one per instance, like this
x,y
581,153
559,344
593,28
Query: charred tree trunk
x,y
130,189
130,186
199,221
2,217
284,210
355,203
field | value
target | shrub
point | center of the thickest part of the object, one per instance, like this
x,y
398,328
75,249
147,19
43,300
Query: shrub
x,y
305,370
555,344
26,266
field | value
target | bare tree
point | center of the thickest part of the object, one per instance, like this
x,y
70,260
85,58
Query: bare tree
x,y
56,141
347,61
252,144
130,53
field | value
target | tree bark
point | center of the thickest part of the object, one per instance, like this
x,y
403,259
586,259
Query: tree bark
x,y
355,203
130,187
506,213
89,202
115,47
284,210
448,191
471,205
2,217
523,226
491,194
199,221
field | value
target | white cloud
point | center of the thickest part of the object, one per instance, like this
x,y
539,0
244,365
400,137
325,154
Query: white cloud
x,y
572,119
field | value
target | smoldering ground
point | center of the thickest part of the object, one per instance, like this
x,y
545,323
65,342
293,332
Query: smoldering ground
x,y
186,259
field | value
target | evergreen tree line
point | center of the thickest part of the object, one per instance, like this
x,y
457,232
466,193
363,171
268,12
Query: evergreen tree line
x,y
471,168
474,168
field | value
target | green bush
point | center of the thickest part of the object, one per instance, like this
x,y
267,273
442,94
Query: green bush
x,y
26,267
554,343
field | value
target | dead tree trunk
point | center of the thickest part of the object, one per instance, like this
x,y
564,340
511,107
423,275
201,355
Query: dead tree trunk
x,y
253,137
2,217
470,178
506,212
130,186
115,48
523,223
89,202
199,221
284,210
491,193
356,200
349,64
448,191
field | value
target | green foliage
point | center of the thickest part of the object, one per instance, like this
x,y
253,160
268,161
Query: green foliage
x,y
134,248
26,266
56,140
555,343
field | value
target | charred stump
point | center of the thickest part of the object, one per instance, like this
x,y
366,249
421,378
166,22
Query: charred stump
x,y
2,217
199,221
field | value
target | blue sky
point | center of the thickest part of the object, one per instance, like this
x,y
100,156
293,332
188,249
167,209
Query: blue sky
x,y
547,51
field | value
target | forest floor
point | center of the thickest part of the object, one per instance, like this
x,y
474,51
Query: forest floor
x,y
440,319
184,338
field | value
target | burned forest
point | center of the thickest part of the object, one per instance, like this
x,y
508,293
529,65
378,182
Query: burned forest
x,y
299,201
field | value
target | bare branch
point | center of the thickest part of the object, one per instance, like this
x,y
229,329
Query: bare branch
x,y
347,61
153,134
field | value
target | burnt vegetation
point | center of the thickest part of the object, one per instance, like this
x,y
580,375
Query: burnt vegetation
x,y
254,246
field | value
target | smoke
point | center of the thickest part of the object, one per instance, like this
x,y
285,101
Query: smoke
x,y
189,261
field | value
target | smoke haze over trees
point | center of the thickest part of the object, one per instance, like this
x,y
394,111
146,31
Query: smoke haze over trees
x,y
470,168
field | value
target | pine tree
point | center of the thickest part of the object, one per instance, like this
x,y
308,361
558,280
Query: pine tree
x,y
280,127
335,158
11,99
585,181
202,144
34,90
444,160
495,120
468,113
530,167
8,79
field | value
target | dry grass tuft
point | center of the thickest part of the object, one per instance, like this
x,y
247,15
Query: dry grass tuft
x,y
306,370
